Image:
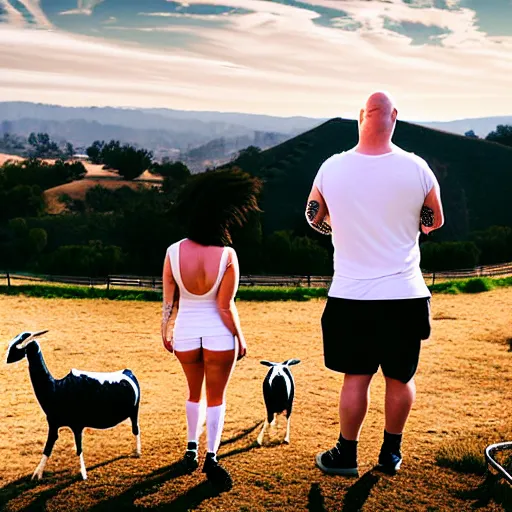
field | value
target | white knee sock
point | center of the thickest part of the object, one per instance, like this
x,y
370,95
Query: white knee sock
x,y
214,426
193,420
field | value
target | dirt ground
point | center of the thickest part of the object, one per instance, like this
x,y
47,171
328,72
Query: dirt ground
x,y
464,388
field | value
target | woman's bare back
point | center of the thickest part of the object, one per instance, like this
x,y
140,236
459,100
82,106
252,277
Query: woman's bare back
x,y
199,266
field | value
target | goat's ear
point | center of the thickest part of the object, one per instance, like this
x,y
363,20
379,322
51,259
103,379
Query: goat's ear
x,y
267,363
291,362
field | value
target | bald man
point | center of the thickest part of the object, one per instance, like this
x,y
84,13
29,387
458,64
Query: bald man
x,y
373,200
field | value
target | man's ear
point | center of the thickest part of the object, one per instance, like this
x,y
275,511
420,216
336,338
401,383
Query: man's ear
x,y
361,116
394,115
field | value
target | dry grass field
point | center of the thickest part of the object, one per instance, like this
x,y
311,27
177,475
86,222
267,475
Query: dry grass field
x,y
78,190
96,175
464,392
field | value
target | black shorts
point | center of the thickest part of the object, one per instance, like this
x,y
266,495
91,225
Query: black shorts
x,y
361,335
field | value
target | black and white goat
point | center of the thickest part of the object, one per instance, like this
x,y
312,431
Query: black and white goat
x,y
79,400
278,393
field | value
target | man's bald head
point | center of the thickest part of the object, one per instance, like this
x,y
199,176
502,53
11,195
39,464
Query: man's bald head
x,y
378,116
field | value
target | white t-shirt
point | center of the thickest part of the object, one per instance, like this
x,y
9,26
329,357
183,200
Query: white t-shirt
x,y
374,205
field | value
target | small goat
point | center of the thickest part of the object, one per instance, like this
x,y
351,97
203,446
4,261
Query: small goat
x,y
278,393
79,400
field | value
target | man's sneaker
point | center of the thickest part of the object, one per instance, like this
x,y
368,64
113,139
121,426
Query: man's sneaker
x,y
389,461
390,457
216,474
340,460
190,461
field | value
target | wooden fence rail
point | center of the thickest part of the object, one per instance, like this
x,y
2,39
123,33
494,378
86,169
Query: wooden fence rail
x,y
155,283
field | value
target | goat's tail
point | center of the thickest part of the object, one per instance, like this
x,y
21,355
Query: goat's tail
x,y
132,377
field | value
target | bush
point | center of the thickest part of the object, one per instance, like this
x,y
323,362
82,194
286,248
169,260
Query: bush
x,y
299,255
127,160
478,285
465,456
449,255
83,260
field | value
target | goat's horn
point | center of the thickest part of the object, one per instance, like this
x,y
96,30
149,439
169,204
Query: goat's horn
x,y
31,338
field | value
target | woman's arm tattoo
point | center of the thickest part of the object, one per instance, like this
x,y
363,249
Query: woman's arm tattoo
x,y
166,313
320,225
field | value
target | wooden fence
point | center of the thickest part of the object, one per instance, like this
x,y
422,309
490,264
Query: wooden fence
x,y
155,283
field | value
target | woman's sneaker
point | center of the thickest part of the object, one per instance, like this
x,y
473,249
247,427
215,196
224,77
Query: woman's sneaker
x,y
340,460
190,461
216,474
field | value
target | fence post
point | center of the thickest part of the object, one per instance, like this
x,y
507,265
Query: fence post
x,y
8,280
309,281
433,278
108,283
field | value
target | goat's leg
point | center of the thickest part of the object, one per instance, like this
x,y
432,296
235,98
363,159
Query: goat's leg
x,y
287,437
53,435
136,432
266,423
259,440
78,442
275,421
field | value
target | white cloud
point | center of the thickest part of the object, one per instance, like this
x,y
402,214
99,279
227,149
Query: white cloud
x,y
85,7
261,6
13,16
182,15
34,8
275,60
109,20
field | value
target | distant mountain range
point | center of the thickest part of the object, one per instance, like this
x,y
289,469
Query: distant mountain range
x,y
166,132
482,126
199,138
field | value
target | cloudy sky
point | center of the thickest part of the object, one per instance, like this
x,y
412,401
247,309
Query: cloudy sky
x,y
441,59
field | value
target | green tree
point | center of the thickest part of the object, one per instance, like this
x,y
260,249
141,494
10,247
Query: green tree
x,y
495,244
69,151
43,147
300,255
502,135
38,238
250,160
94,152
128,161
439,256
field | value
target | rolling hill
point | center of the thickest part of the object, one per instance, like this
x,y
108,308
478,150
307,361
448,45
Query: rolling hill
x,y
475,175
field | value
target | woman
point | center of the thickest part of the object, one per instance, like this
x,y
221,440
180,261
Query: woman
x,y
200,280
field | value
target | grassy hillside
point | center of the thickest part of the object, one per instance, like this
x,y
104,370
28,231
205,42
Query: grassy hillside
x,y
475,175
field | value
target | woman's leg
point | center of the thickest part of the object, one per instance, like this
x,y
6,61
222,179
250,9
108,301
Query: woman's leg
x,y
193,367
218,366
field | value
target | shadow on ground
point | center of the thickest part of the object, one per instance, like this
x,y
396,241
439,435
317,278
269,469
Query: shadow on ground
x,y
493,488
45,490
355,497
316,499
358,493
38,494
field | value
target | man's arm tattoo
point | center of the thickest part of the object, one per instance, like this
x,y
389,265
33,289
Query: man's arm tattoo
x,y
427,216
322,226
312,210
